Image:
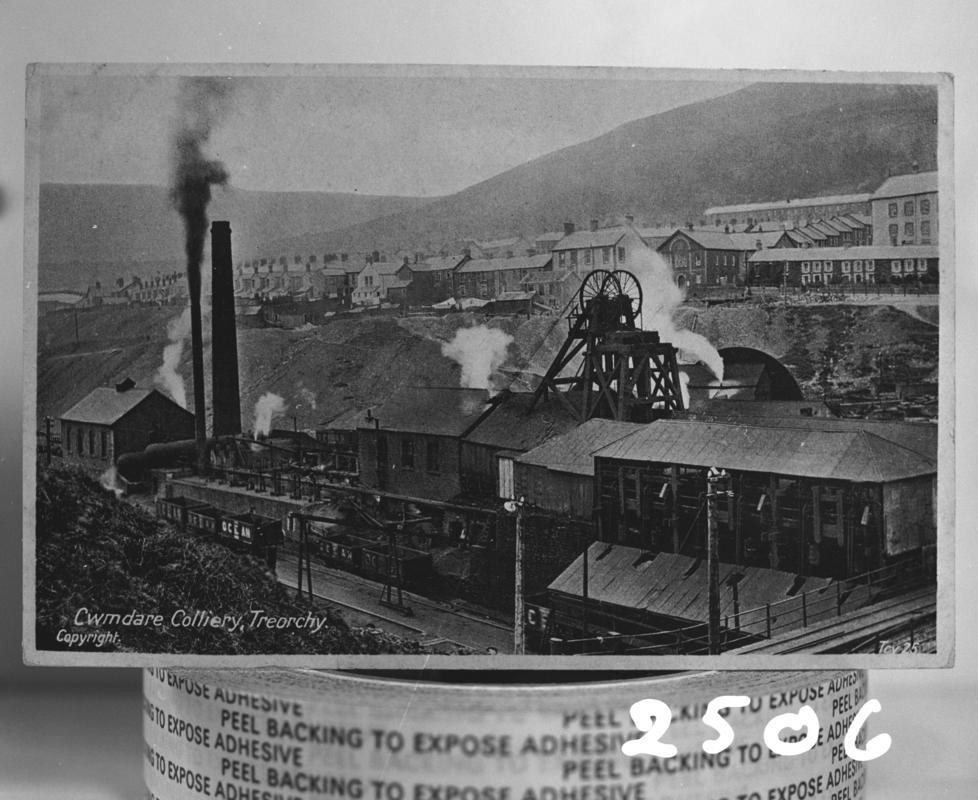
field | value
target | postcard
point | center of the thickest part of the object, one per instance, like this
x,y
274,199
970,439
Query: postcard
x,y
379,366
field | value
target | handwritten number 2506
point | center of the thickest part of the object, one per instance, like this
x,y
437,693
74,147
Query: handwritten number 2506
x,y
653,717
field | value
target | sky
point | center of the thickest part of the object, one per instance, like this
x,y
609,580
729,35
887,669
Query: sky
x,y
372,132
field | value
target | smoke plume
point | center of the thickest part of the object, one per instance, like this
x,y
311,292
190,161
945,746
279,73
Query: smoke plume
x,y
660,299
480,351
307,396
110,481
268,407
202,103
168,376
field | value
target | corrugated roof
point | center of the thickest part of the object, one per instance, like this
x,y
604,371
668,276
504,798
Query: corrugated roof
x,y
876,251
799,202
813,233
905,185
713,409
573,451
106,406
818,448
431,410
503,264
674,585
512,426
602,237
346,420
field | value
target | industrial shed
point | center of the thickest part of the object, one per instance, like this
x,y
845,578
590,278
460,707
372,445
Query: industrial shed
x,y
558,475
511,428
110,421
410,444
813,496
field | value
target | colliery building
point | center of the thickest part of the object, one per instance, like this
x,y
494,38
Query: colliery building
x,y
812,496
827,265
110,421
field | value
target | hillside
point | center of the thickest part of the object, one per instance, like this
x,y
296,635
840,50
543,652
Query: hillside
x,y
764,142
93,232
359,360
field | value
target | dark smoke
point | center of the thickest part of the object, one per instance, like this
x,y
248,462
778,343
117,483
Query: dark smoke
x,y
202,103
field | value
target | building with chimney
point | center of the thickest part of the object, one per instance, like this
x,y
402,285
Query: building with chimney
x,y
598,248
110,421
488,278
817,266
714,258
798,211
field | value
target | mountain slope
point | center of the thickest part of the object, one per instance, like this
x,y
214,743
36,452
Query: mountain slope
x,y
764,142
90,223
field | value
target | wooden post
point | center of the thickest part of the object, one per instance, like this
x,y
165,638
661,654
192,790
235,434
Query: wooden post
x,y
519,632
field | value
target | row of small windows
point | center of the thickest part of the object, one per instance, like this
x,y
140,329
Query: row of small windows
x,y
432,455
827,267
75,441
908,230
909,208
570,257
808,280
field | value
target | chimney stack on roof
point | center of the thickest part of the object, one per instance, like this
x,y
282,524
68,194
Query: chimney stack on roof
x,y
568,228
629,219
594,225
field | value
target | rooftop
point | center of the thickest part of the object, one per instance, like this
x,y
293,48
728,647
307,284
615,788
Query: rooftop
x,y
849,450
874,251
602,237
905,185
573,451
501,264
435,411
106,406
798,202
512,426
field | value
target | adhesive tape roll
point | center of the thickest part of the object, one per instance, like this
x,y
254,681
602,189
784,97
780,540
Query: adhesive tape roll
x,y
291,734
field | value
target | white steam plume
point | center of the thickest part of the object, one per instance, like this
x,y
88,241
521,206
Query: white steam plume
x,y
268,407
307,395
167,376
480,351
110,480
660,299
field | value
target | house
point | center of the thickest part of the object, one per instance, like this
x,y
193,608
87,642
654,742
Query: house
x,y
799,211
110,421
597,248
504,248
904,210
833,265
373,282
714,258
544,242
811,495
410,444
553,288
488,278
431,280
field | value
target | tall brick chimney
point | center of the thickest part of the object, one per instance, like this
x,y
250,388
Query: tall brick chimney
x,y
225,392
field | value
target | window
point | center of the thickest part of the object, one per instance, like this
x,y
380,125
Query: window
x,y
908,208
91,442
828,267
562,258
894,233
857,266
908,229
104,444
621,255
908,265
921,265
587,257
893,209
846,267
407,453
432,462
925,206
870,265
80,441
805,267
925,231
895,267
573,258
816,267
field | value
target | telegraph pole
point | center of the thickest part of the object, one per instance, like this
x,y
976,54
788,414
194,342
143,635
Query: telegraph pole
x,y
519,629
713,477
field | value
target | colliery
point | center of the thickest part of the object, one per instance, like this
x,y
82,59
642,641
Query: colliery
x,y
609,467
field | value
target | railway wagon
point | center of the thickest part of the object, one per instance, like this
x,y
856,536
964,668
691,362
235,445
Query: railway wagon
x,y
204,519
251,530
346,549
414,564
175,509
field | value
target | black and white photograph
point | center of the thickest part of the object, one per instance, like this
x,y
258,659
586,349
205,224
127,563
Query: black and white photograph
x,y
392,362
